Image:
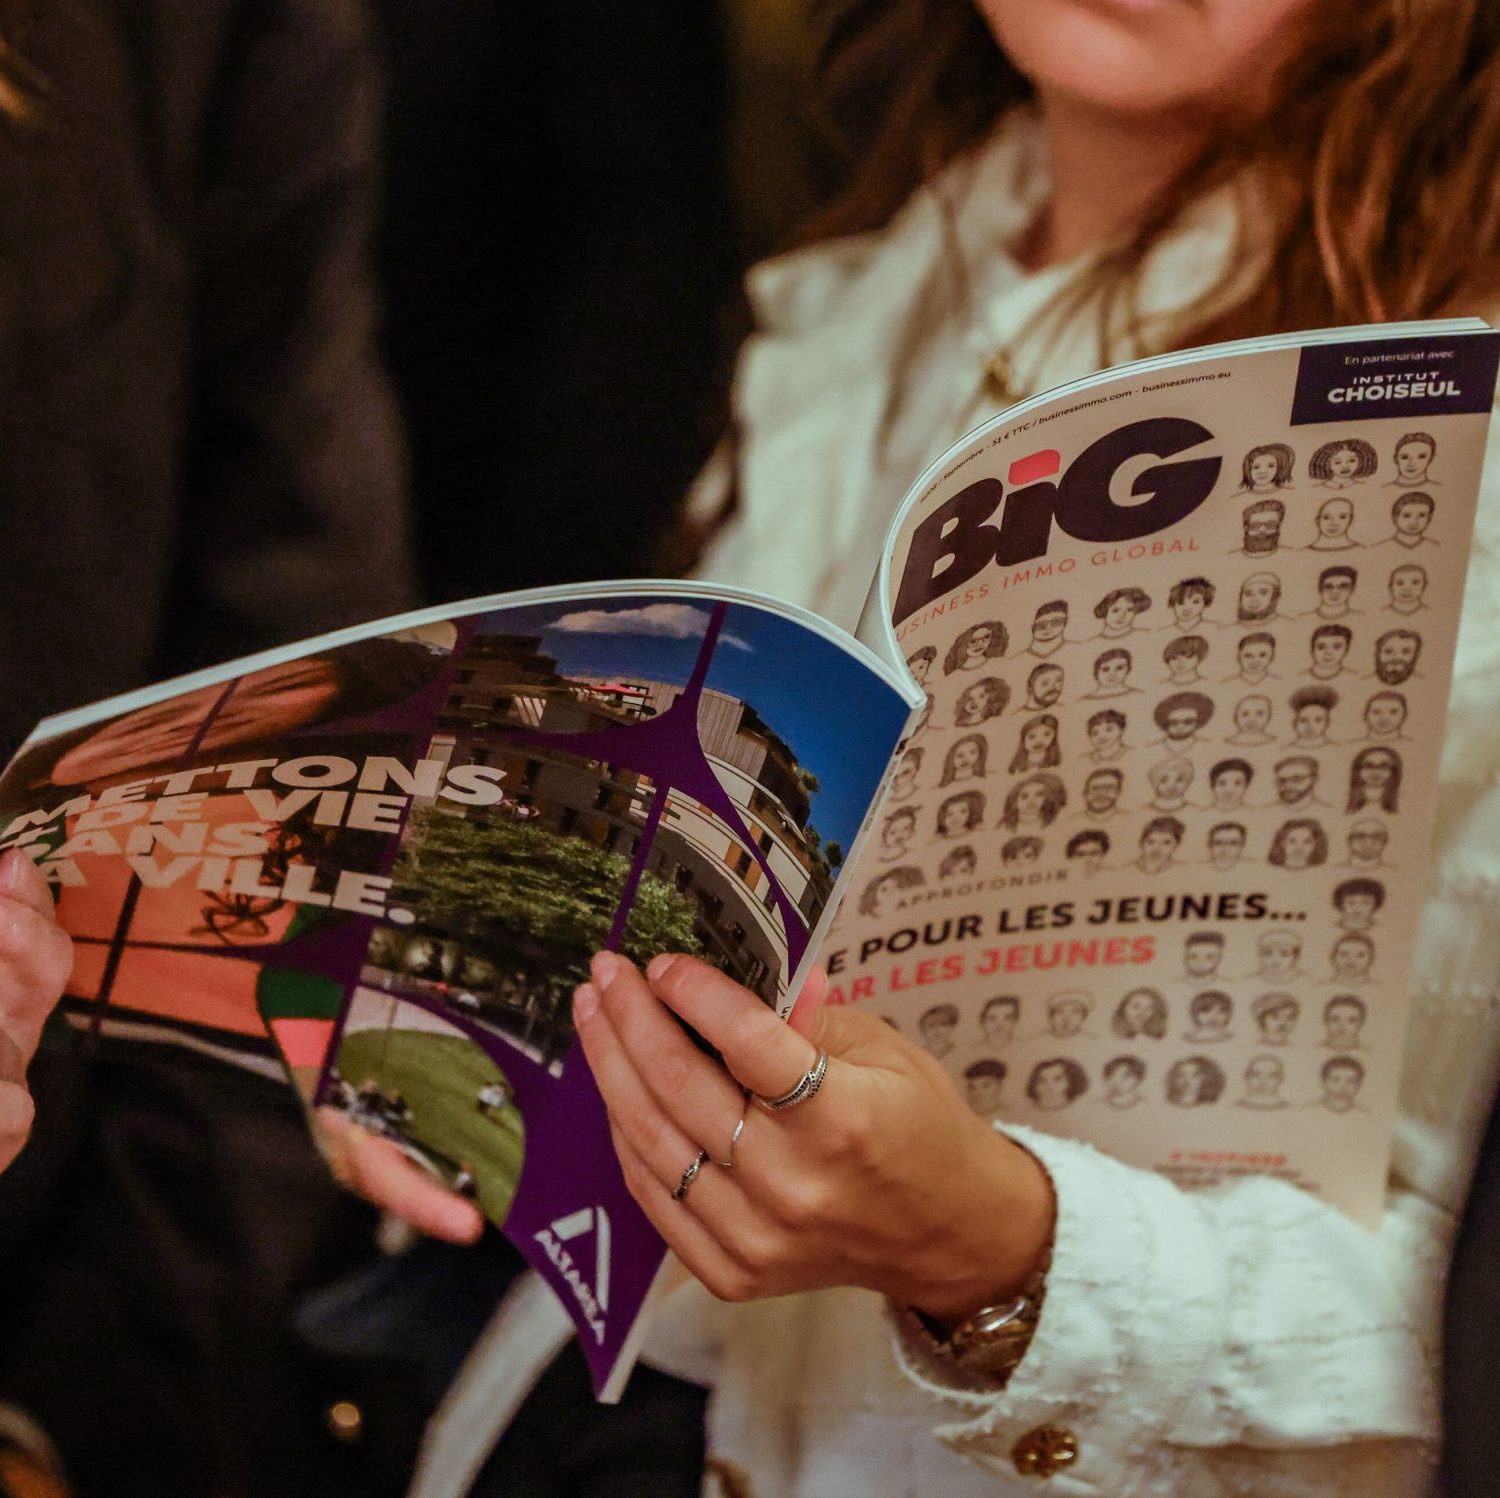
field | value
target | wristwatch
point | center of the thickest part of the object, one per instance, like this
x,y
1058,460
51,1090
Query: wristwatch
x,y
990,1342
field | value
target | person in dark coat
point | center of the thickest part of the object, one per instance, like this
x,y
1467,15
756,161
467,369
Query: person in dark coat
x,y
199,457
199,454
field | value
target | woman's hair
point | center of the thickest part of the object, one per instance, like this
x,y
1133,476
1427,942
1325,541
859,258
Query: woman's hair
x,y
1051,755
1390,792
1210,1081
999,643
1078,1079
980,765
1017,847
1136,597
1154,1025
1364,455
995,692
973,806
1285,459
1377,143
1054,798
1212,998
907,876
1319,854
20,82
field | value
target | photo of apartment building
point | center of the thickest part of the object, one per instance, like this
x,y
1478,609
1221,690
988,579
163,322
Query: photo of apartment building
x,y
498,907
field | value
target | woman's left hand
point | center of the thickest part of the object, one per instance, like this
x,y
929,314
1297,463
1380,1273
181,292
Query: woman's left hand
x,y
883,1178
36,957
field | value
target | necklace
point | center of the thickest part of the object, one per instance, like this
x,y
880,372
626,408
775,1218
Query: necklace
x,y
1000,380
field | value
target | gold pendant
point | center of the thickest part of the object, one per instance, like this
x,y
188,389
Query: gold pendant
x,y
1000,378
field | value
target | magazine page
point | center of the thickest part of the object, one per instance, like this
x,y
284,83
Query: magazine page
x,y
1150,871
385,861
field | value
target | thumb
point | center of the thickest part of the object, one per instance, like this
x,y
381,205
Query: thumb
x,y
849,1034
809,1001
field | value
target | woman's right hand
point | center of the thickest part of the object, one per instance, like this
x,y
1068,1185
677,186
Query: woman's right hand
x,y
36,957
885,1179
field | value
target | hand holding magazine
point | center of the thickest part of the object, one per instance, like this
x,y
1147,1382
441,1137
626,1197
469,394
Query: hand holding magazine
x,y
1136,859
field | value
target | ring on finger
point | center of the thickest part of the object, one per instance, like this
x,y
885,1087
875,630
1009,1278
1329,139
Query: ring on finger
x,y
734,1138
806,1086
690,1175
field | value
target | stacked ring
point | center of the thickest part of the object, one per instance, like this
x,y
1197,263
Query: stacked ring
x,y
806,1087
690,1175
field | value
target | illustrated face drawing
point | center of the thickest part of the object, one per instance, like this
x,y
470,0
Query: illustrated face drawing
x,y
1407,586
1397,656
1262,528
1413,458
1259,595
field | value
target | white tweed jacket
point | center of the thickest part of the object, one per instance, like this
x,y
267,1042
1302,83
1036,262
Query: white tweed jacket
x,y
1243,1341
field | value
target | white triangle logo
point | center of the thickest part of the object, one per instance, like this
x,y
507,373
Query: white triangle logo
x,y
575,1225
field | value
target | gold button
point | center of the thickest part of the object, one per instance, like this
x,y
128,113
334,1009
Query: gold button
x,y
1044,1451
344,1420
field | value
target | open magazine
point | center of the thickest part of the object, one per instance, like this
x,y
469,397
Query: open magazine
x,y
1122,809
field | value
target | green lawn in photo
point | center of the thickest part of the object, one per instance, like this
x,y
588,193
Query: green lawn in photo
x,y
439,1076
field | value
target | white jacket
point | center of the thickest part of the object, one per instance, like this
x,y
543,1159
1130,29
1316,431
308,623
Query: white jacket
x,y
1246,1340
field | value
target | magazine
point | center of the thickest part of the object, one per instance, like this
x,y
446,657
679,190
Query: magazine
x,y
382,860
1129,786
1150,868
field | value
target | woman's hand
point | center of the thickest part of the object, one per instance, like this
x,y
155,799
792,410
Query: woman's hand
x,y
36,957
376,1169
882,1179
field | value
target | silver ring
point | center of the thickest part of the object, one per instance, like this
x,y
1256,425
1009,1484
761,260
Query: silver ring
x,y
734,1138
807,1085
690,1175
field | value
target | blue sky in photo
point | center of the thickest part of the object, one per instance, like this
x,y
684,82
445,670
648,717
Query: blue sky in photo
x,y
662,643
839,718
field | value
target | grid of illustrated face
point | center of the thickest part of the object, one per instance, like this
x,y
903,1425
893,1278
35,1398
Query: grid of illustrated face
x,y
1243,725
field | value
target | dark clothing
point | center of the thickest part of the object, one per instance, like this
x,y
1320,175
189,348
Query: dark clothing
x,y
1471,1335
198,455
557,252
155,1237
563,1445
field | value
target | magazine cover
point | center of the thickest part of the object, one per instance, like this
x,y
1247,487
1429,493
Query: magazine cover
x,y
1150,870
1134,841
383,860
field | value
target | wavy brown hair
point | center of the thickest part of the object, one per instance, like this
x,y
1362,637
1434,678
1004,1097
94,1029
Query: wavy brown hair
x,y
1379,151
20,82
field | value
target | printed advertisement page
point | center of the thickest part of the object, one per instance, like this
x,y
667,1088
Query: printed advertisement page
x,y
1150,870
385,860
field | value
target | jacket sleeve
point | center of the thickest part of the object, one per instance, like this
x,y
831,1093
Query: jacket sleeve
x,y
1248,1331
296,471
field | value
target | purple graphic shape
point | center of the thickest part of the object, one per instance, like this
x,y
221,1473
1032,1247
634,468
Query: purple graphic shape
x,y
668,750
638,867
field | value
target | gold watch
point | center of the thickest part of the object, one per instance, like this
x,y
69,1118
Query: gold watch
x,y
991,1342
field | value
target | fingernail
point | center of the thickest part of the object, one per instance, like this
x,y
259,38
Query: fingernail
x,y
12,868
585,1003
660,966
604,967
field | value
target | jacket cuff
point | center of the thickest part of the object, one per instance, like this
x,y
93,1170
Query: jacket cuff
x,y
1134,1308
